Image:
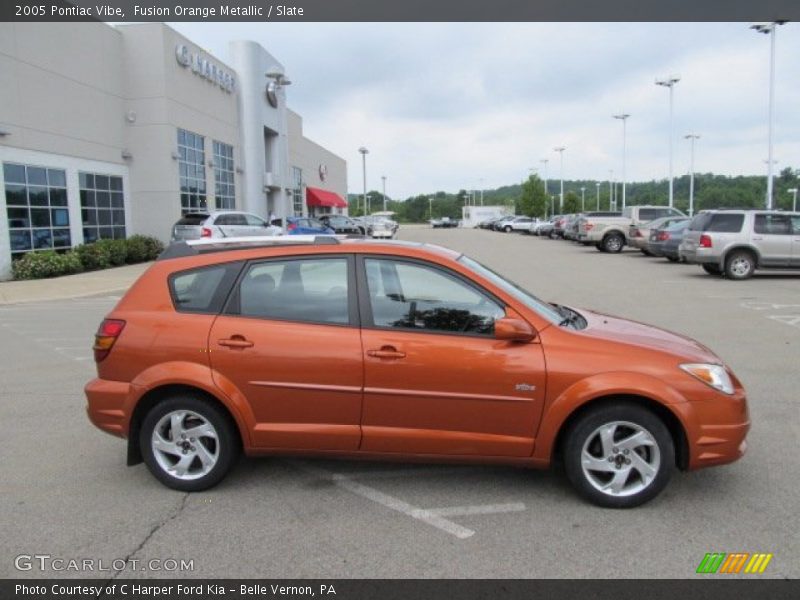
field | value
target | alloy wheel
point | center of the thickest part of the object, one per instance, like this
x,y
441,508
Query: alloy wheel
x,y
185,445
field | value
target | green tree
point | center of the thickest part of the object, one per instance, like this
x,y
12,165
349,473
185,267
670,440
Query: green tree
x,y
533,200
572,203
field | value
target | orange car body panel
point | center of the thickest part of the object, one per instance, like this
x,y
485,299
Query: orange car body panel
x,y
320,390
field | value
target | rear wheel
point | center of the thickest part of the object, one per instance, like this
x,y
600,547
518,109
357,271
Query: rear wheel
x,y
712,269
619,456
613,243
188,443
646,252
507,228
553,235
740,264
672,258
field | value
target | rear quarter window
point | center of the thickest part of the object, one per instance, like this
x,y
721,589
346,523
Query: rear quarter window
x,y
202,290
726,223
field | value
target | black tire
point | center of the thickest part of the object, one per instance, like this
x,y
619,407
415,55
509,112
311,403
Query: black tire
x,y
646,252
507,228
613,243
673,259
227,444
739,265
712,269
583,431
600,247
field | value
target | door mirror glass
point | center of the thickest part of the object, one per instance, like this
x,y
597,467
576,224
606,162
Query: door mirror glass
x,y
513,330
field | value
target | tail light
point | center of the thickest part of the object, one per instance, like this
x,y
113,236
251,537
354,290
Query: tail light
x,y
636,232
105,337
587,226
705,241
663,236
291,227
205,232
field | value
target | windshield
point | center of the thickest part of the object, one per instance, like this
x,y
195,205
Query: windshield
x,y
528,299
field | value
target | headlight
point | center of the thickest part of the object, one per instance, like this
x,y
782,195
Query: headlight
x,y
712,375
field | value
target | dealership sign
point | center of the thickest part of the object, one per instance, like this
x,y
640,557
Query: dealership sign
x,y
203,67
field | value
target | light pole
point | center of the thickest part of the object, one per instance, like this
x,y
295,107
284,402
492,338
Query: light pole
x,y
769,29
481,191
611,190
383,178
691,137
624,118
430,207
364,153
545,161
583,199
793,191
598,195
670,83
560,150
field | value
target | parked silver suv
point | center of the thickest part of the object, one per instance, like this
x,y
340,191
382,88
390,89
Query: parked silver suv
x,y
221,224
737,242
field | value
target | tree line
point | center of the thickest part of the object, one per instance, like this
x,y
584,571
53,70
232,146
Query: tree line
x,y
529,197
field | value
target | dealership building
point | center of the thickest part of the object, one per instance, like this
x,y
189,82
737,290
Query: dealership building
x,y
110,131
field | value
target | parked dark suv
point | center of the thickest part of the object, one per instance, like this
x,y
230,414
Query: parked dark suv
x,y
342,225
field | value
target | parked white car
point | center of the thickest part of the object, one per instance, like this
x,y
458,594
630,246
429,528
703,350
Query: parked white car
x,y
222,224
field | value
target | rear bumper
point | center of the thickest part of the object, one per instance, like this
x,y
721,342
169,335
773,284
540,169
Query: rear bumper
x,y
699,256
105,405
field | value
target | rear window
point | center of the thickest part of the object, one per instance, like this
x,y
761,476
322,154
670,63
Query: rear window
x,y
202,290
648,214
193,219
719,222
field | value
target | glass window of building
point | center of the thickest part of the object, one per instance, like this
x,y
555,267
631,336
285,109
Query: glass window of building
x,y
36,207
102,207
192,169
224,191
297,191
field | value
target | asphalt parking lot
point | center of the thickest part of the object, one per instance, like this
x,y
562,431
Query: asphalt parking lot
x,y
67,492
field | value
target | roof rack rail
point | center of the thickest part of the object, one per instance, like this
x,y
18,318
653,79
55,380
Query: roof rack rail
x,y
208,245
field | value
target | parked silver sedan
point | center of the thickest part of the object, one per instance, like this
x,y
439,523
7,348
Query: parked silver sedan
x,y
221,224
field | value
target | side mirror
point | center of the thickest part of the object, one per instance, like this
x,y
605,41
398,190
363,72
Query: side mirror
x,y
513,330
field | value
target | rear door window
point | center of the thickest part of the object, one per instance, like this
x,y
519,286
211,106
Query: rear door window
x,y
313,290
773,224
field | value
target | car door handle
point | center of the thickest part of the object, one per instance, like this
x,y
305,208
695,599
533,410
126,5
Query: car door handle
x,y
386,352
237,341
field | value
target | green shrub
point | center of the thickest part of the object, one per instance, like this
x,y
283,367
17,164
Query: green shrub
x,y
94,256
38,265
142,248
117,251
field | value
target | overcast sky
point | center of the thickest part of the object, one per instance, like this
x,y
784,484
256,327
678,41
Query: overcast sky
x,y
442,106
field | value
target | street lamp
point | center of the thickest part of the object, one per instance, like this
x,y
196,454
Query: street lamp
x,y
383,178
670,83
611,190
598,195
560,150
691,137
793,191
364,153
769,29
583,199
624,118
544,161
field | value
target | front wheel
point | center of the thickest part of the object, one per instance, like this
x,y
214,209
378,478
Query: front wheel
x,y
507,229
188,443
619,456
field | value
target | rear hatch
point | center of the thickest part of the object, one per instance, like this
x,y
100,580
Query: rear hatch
x,y
189,227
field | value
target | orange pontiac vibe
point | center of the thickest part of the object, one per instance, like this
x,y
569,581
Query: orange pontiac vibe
x,y
353,348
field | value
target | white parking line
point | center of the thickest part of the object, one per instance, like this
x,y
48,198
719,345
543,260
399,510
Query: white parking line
x,y
434,516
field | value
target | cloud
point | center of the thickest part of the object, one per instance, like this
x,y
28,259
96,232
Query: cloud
x,y
442,106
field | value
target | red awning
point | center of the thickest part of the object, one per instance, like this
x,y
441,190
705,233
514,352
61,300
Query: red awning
x,y
318,197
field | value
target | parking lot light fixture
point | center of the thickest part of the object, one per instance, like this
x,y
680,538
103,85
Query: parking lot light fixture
x,y
560,150
691,137
670,82
793,191
598,195
544,161
583,199
383,179
624,118
611,190
769,29
364,153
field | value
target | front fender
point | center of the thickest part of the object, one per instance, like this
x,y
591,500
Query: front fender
x,y
602,385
